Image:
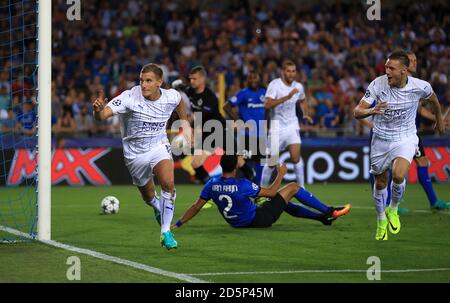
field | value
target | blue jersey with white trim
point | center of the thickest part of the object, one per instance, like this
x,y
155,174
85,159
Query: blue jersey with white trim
x,y
232,197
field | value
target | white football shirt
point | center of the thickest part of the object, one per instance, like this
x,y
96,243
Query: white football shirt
x,y
398,121
143,121
285,112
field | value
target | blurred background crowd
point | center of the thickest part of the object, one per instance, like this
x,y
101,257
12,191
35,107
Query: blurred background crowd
x,y
338,51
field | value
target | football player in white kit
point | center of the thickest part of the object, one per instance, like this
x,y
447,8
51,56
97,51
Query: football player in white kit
x,y
394,141
282,96
144,111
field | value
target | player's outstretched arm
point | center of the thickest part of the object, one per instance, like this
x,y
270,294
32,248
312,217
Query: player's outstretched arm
x,y
190,213
101,111
362,110
437,113
272,190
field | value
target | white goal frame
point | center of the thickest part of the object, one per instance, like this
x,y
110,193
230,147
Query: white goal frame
x,y
44,151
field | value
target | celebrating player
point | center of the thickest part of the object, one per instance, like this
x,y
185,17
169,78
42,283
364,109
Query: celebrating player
x,y
394,141
420,158
145,110
282,96
232,197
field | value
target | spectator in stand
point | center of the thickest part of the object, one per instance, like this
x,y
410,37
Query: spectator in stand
x,y
85,126
65,125
27,119
9,125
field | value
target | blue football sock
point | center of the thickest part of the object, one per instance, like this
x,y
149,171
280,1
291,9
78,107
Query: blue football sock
x,y
299,211
425,181
372,182
389,189
308,199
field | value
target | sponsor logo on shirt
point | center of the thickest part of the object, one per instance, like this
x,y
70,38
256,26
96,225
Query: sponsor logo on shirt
x,y
255,105
153,126
390,114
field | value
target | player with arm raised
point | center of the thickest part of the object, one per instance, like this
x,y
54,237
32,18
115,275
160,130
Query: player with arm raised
x,y
394,141
282,96
144,111
233,199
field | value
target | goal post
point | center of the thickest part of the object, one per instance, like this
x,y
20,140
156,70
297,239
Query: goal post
x,y
44,119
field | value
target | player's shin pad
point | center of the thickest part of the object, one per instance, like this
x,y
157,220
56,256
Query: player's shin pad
x,y
168,206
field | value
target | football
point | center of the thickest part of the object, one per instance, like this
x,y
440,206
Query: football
x,y
110,205
179,145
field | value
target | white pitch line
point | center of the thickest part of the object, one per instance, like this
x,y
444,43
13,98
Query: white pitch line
x,y
316,271
147,268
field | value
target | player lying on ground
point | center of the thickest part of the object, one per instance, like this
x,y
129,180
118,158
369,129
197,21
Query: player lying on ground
x,y
232,197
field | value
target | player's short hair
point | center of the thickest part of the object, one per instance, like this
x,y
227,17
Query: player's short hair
x,y
287,63
198,70
228,163
401,56
154,68
409,52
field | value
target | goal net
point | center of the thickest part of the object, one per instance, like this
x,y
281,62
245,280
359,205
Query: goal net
x,y
18,119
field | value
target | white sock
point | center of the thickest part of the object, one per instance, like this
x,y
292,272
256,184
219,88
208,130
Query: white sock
x,y
167,208
266,175
155,203
397,191
300,173
379,197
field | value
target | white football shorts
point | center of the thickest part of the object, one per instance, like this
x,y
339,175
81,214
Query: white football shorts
x,y
141,167
280,139
383,152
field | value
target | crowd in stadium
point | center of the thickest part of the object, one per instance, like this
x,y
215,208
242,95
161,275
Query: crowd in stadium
x,y
336,49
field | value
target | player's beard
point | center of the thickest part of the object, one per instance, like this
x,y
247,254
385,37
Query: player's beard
x,y
288,80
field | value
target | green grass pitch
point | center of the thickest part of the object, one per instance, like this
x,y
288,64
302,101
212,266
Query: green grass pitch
x,y
283,253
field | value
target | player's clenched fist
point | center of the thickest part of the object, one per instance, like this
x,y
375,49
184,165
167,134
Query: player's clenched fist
x,y
100,102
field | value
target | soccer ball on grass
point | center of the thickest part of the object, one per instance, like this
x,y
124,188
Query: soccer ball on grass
x,y
110,205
